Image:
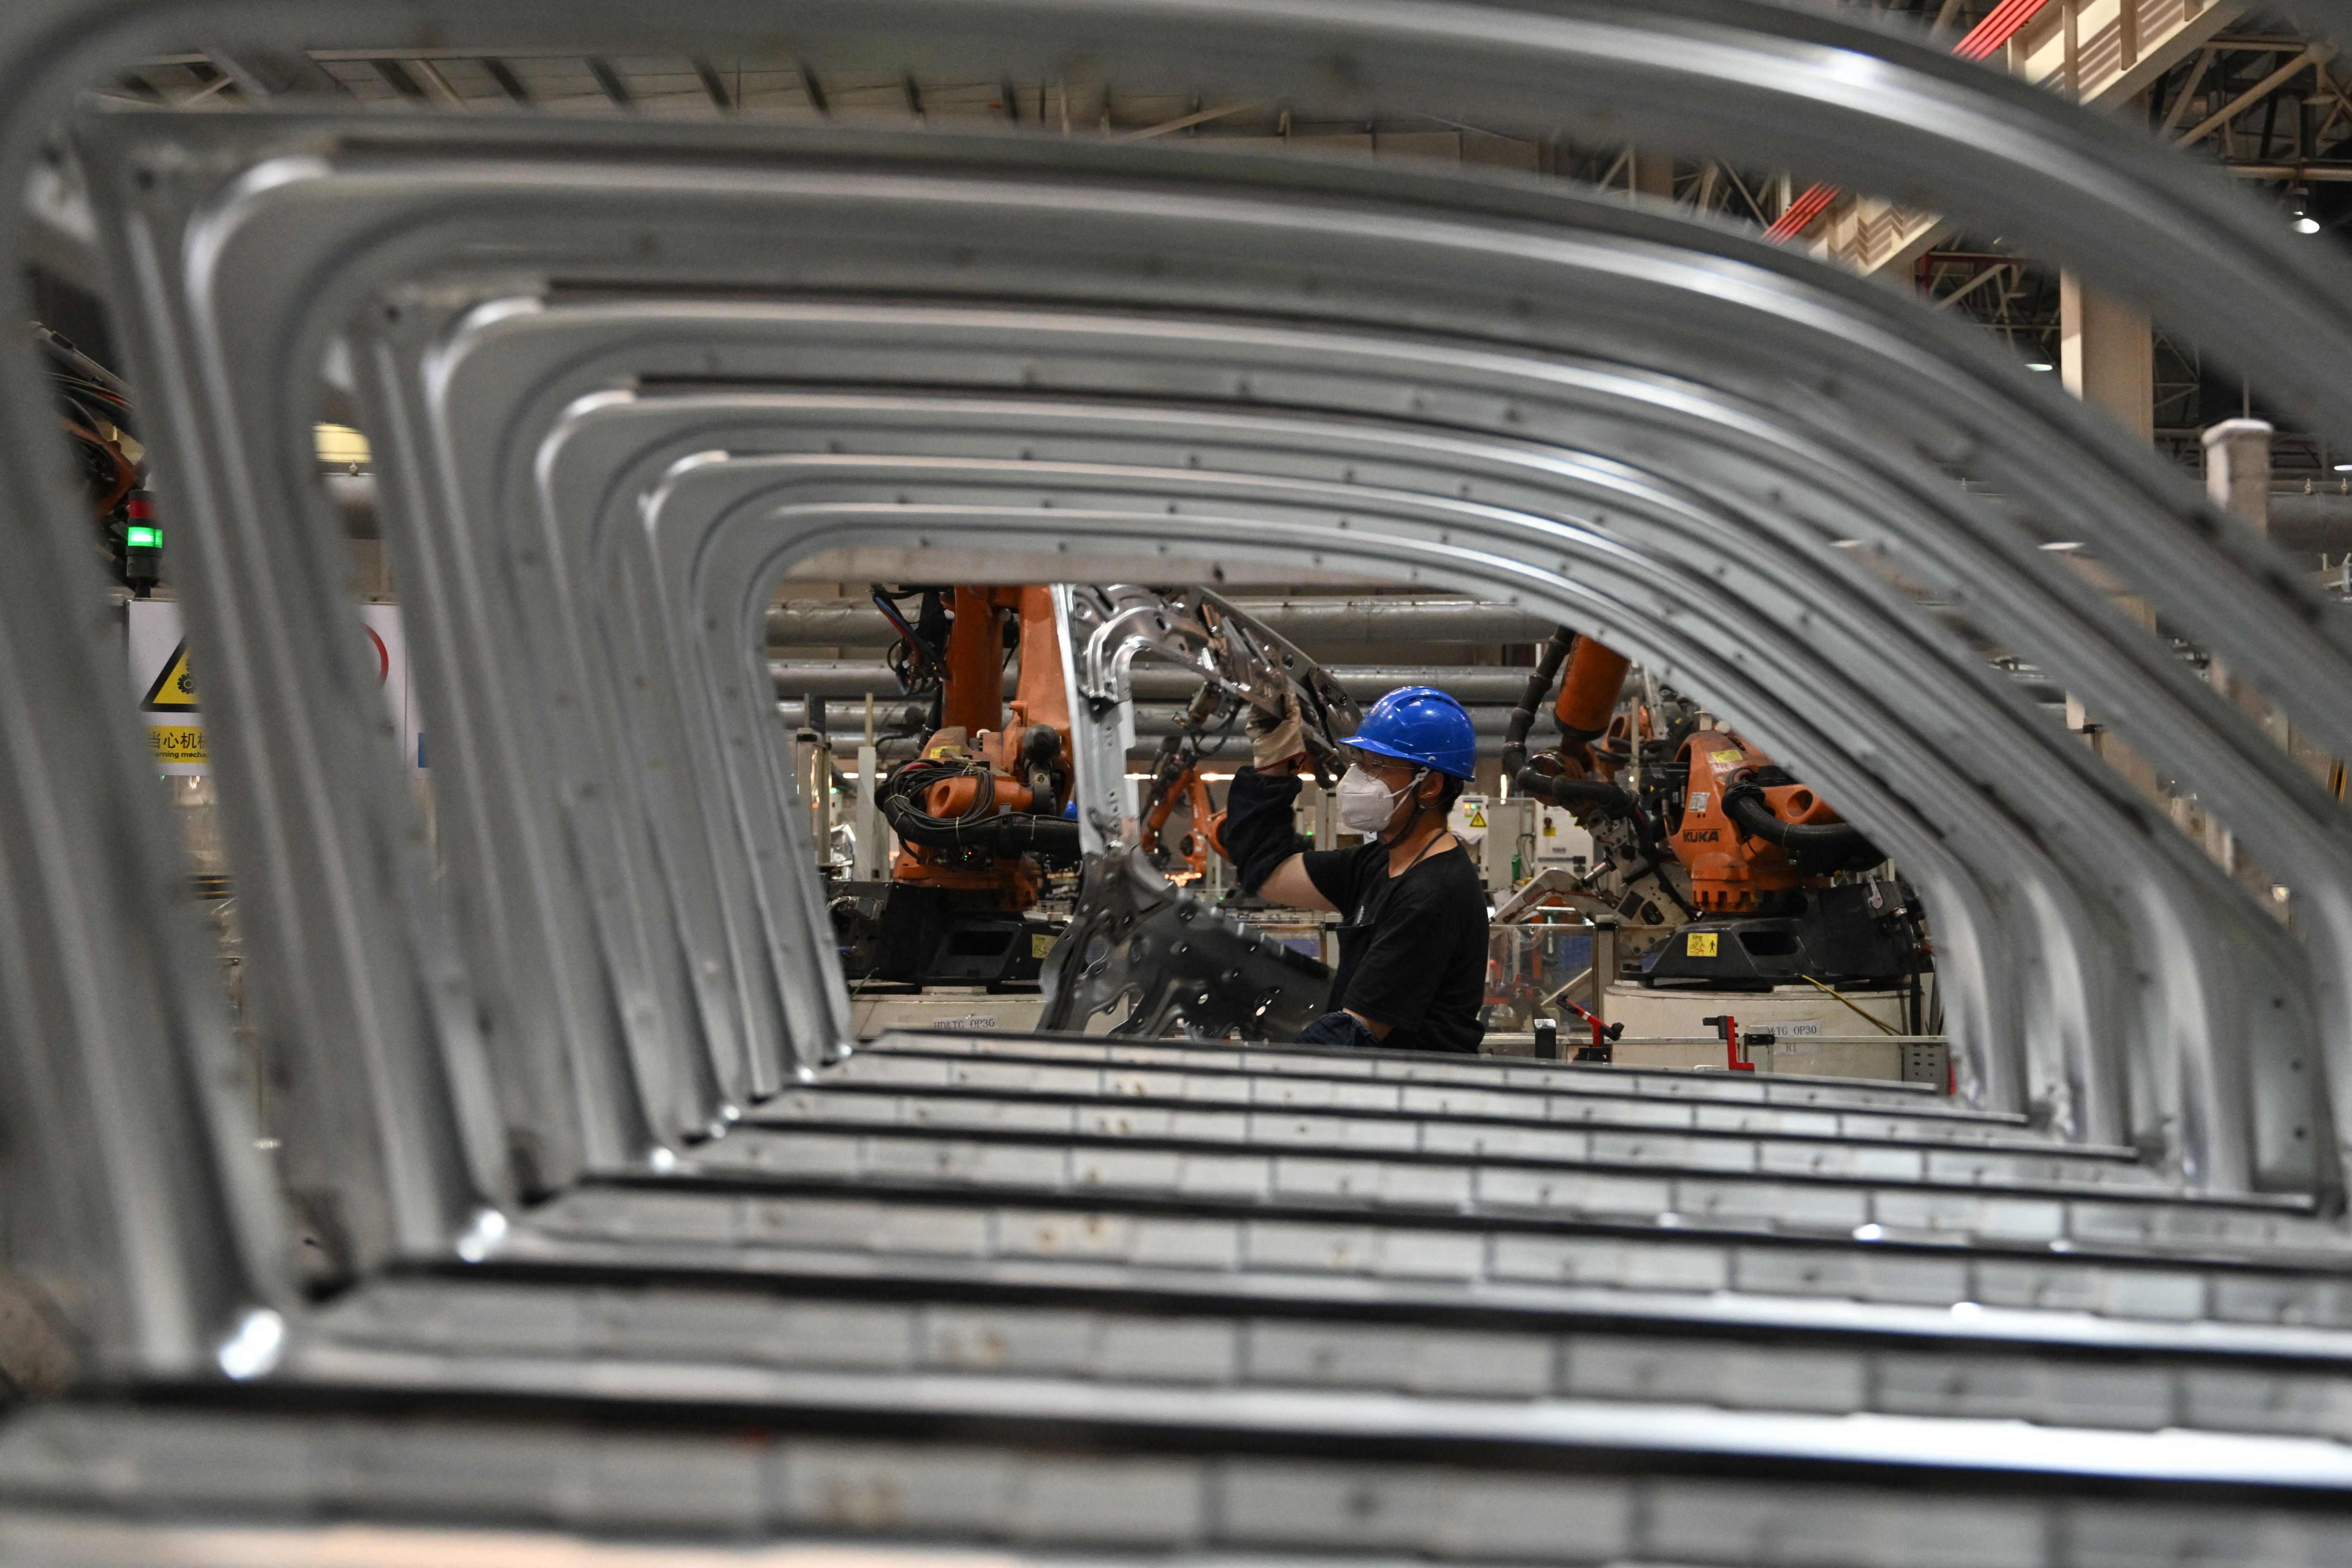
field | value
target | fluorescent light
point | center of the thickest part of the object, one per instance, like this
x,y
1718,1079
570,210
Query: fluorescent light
x,y
2039,364
340,446
2062,546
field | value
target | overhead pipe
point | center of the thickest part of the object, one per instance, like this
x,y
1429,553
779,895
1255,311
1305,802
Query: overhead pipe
x,y
903,714
892,750
1471,685
852,623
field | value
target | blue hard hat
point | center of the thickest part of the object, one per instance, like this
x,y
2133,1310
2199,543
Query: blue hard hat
x,y
1422,725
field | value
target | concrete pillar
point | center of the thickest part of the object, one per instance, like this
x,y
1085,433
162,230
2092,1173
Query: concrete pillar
x,y
1653,174
2238,478
2107,357
2238,470
2107,353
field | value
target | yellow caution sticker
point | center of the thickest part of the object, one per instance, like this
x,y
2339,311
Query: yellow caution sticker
x,y
1733,755
1700,943
1477,816
1041,942
177,743
174,691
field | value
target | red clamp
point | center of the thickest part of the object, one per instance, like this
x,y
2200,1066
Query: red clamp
x,y
1727,1029
1603,1035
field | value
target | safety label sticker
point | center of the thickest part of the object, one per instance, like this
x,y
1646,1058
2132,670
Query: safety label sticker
x,y
164,683
182,744
174,690
164,686
1700,943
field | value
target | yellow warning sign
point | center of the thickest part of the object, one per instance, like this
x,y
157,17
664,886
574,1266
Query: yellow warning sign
x,y
1700,943
1719,758
174,691
1039,943
1477,816
177,743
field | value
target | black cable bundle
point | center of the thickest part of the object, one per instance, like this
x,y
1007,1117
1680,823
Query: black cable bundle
x,y
1588,793
1011,833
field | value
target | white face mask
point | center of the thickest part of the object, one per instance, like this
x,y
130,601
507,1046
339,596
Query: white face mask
x,y
1365,804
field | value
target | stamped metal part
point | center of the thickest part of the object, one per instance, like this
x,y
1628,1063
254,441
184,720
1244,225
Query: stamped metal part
x,y
1159,960
1234,653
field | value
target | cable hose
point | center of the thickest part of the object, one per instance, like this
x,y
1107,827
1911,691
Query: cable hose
x,y
1824,840
1523,717
1586,792
1011,833
903,788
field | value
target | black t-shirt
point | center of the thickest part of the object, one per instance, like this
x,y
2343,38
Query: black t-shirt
x,y
1412,947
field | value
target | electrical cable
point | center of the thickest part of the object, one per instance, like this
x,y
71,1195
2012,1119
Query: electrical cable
x,y
1821,843
1009,832
1592,794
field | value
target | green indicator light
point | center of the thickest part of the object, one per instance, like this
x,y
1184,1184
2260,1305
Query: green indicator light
x,y
138,538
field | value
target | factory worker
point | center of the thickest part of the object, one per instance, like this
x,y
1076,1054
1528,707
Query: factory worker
x,y
1412,937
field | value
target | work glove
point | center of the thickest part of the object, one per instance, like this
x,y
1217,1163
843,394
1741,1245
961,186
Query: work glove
x,y
1276,745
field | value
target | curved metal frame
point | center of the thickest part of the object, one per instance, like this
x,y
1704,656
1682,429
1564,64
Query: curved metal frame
x,y
274,193
1708,637
2299,324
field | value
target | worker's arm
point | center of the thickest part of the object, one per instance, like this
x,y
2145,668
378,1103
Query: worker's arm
x,y
1288,884
1262,841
